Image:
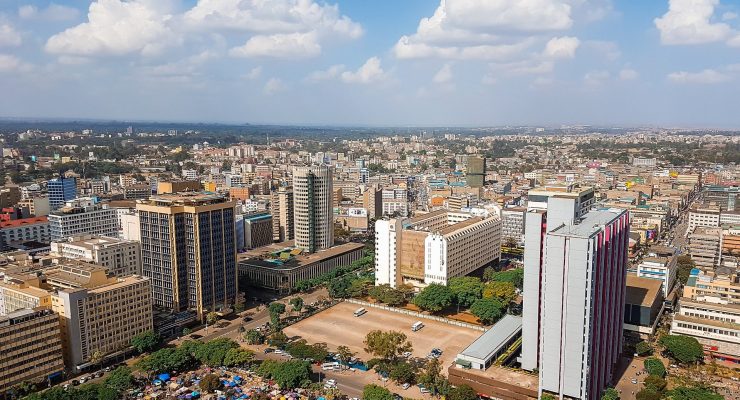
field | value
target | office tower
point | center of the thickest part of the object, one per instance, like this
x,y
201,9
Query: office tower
x,y
281,208
31,348
372,201
83,216
120,257
313,208
61,190
189,251
475,171
582,295
257,230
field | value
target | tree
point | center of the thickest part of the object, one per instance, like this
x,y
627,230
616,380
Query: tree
x,y
386,345
145,342
402,372
655,383
292,374
297,303
610,394
388,295
684,349
462,392
340,288
375,392
503,291
684,265
211,318
547,396
210,383
693,393
648,394
344,354
276,308
655,367
96,358
466,289
514,276
213,353
487,310
433,379
434,298
643,348
277,339
254,336
120,379
186,331
488,274
238,357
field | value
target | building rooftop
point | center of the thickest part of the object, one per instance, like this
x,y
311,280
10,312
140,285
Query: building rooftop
x,y
291,257
491,341
590,224
184,199
459,226
642,291
23,222
91,242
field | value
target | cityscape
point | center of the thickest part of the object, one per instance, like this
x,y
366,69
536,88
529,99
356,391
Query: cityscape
x,y
153,248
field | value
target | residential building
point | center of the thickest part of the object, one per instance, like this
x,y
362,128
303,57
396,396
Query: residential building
x,y
35,229
257,230
281,208
31,348
118,256
705,247
189,251
83,216
61,190
313,208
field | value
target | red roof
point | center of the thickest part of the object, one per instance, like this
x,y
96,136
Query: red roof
x,y
20,222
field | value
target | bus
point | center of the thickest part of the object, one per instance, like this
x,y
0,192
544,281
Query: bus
x,y
416,326
360,311
330,365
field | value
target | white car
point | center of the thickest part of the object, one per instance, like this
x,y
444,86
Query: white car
x,y
332,382
406,386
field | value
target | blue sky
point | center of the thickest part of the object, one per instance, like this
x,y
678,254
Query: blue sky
x,y
381,62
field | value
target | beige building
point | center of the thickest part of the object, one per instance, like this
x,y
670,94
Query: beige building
x,y
313,208
17,295
705,247
31,347
178,186
281,208
710,284
119,256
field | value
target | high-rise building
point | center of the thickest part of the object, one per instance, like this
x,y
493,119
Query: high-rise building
x,y
119,256
313,208
582,295
281,208
257,230
475,171
83,216
31,347
61,190
189,251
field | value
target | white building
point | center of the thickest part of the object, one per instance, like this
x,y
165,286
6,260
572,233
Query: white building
x,y
24,230
83,216
702,217
713,322
119,256
130,228
661,268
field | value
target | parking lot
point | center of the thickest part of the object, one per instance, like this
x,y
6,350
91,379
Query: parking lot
x,y
338,326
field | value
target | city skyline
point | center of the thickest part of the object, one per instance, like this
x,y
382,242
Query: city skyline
x,y
476,63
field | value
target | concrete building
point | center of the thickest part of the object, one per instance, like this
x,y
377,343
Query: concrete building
x,y
189,251
703,216
61,190
644,162
434,247
130,228
491,344
705,247
372,201
582,299
281,208
83,216
118,256
9,196
34,229
136,192
537,199
31,348
37,206
663,269
644,303
282,273
714,323
475,171
257,230
512,225
178,186
313,208
18,294
721,284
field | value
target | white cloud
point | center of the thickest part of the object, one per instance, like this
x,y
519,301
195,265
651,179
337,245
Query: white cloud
x,y
628,74
280,45
274,85
444,75
596,78
407,48
690,22
11,63
9,36
117,27
332,73
707,76
527,67
369,72
54,12
604,48
729,16
562,47
253,73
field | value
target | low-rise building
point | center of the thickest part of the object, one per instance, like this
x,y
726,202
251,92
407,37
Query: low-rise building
x,y
35,229
660,268
83,216
714,323
119,256
722,284
705,247
644,302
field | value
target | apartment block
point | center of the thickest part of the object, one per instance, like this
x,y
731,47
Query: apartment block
x,y
31,347
512,225
703,216
83,216
119,256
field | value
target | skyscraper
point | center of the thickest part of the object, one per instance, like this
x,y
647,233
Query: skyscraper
x,y
475,174
189,251
581,285
60,191
313,208
281,208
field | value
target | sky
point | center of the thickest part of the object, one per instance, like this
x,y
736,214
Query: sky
x,y
669,63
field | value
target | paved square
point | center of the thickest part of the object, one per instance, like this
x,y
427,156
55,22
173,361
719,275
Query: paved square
x,y
338,326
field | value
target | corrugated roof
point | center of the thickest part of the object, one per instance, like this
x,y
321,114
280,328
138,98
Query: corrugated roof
x,y
491,341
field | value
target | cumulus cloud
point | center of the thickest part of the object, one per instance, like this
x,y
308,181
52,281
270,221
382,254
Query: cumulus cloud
x,y
444,75
9,36
332,73
628,74
707,76
253,73
274,85
596,78
369,72
280,45
53,12
11,63
690,22
562,47
607,49
117,27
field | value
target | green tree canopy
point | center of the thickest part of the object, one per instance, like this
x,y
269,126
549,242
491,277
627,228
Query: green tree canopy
x,y
693,393
145,341
514,276
287,374
254,336
684,349
487,310
466,289
654,366
648,394
210,383
684,265
505,292
610,394
375,392
297,303
643,348
434,298
386,345
238,357
388,295
462,392
402,372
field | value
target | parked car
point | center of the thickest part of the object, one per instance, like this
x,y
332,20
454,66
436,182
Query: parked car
x,y
406,386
